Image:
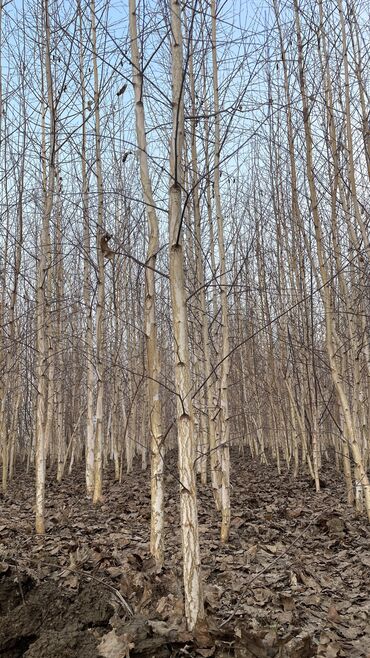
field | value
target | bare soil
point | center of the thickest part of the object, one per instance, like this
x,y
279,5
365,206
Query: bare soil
x,y
293,582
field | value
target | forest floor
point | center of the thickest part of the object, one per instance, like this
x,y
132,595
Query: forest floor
x,y
293,582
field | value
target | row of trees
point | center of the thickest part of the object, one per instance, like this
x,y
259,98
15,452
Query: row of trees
x,y
184,245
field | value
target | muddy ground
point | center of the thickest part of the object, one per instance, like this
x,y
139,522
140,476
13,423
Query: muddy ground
x,y
293,582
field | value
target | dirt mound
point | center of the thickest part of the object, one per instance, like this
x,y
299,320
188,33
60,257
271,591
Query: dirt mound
x,y
40,620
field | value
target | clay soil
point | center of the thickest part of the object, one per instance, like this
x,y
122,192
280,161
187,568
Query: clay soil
x,y
293,582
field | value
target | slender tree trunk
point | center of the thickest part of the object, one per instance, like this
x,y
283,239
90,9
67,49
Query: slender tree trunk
x,y
349,140
42,311
194,609
152,351
100,307
89,443
225,366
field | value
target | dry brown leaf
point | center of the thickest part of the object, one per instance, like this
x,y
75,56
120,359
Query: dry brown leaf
x,y
335,525
332,650
184,636
350,632
326,637
333,614
312,599
294,513
71,580
285,617
212,595
293,579
160,627
115,646
309,581
237,522
287,601
251,553
202,636
262,595
115,572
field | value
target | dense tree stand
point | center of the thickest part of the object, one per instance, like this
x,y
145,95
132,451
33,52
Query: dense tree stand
x,y
184,328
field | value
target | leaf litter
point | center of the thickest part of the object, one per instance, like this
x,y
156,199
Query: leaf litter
x,y
293,581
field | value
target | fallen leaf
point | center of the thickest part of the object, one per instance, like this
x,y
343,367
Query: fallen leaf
x,y
333,614
350,632
115,646
212,595
160,627
294,513
332,650
287,601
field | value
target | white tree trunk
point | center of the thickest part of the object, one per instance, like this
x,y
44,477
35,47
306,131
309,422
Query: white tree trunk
x,y
194,609
100,310
152,352
42,311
